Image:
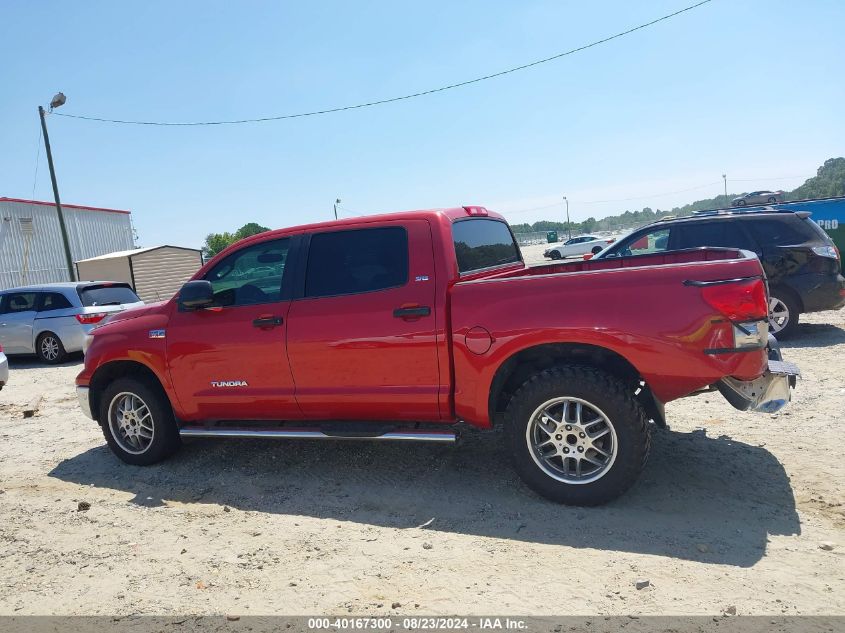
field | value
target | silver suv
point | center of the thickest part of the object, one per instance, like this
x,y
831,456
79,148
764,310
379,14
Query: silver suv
x,y
52,320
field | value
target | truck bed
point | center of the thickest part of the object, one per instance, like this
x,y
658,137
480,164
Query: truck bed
x,y
638,308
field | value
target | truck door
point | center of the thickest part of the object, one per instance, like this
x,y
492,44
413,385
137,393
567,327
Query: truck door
x,y
228,362
362,339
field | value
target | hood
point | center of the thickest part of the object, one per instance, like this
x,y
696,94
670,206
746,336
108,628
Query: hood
x,y
134,313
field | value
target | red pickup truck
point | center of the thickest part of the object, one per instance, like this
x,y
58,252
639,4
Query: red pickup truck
x,y
397,327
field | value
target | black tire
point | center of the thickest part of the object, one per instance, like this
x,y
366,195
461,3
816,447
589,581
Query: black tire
x,y
596,250
555,255
165,433
600,390
741,203
791,327
49,348
772,200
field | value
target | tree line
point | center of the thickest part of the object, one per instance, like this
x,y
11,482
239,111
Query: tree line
x,y
828,182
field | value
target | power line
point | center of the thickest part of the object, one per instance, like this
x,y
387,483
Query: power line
x,y
759,179
394,99
654,195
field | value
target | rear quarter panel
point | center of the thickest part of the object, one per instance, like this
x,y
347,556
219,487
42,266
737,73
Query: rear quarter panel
x,y
645,314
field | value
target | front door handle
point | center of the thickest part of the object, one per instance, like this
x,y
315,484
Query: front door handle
x,y
267,321
409,313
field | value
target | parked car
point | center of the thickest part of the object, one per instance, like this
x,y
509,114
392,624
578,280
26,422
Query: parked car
x,y
52,320
758,197
802,264
577,246
433,318
4,368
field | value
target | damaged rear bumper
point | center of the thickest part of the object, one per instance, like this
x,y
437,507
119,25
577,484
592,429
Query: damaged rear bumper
x,y
769,393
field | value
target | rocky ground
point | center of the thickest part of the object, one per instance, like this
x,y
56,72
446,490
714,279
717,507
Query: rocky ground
x,y
734,511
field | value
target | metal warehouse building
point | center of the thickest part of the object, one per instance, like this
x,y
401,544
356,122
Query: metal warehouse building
x,y
31,249
156,272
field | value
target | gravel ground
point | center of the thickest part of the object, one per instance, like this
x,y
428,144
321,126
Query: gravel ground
x,y
733,510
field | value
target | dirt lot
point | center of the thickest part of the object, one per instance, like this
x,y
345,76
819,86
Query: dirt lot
x,y
732,510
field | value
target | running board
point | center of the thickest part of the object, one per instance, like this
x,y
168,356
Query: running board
x,y
412,435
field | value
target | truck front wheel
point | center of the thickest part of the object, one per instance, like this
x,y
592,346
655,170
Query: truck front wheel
x,y
137,422
577,435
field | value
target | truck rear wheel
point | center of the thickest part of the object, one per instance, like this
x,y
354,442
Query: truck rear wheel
x,y
137,422
577,435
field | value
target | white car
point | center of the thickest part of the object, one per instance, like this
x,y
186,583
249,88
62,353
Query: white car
x,y
4,369
51,320
578,246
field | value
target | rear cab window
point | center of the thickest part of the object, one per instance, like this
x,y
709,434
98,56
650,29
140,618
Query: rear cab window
x,y
482,243
107,295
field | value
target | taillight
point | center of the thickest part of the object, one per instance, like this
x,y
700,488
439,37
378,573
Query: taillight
x,y
91,319
740,300
826,251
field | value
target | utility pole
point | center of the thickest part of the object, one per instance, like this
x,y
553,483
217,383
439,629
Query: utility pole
x,y
57,101
336,202
725,178
568,225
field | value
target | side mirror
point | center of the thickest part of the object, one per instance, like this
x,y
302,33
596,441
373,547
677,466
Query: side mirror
x,y
196,294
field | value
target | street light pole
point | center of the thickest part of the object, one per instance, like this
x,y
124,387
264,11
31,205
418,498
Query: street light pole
x,y
568,225
725,178
57,101
336,202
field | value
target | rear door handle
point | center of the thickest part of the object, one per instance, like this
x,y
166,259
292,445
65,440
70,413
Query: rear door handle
x,y
267,322
405,313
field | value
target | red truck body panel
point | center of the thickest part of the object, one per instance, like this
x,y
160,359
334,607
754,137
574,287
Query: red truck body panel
x,y
645,314
348,357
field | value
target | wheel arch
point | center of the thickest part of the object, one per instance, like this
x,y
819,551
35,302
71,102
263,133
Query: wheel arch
x,y
111,371
783,288
521,365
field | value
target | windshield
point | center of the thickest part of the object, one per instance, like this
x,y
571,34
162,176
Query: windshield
x,y
107,295
483,243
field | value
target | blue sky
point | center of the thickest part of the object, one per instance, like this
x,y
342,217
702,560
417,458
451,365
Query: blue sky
x,y
749,88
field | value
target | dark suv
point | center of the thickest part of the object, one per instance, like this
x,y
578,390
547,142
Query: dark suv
x,y
801,262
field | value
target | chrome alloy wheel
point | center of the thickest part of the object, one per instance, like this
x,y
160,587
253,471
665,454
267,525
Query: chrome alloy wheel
x,y
778,315
49,348
571,440
131,423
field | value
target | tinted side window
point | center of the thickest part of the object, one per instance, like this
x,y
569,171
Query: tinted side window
x,y
251,275
784,232
361,260
19,302
53,301
724,234
482,243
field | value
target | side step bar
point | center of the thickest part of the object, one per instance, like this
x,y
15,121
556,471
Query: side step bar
x,y
410,435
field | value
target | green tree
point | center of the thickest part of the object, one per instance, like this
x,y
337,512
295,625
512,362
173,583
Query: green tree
x,y
828,182
216,242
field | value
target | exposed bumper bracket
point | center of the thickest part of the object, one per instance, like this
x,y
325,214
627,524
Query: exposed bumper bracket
x,y
769,393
